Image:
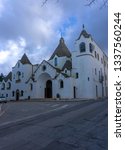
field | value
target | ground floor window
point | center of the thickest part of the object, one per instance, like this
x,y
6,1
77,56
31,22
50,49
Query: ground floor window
x,y
77,75
13,93
61,84
22,92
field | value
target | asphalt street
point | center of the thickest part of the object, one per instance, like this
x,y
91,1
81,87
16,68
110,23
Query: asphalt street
x,y
54,126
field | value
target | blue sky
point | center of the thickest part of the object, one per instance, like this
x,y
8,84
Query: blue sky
x,y
26,27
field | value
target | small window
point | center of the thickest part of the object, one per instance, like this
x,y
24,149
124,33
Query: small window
x,y
55,62
61,84
18,75
13,93
22,92
58,95
22,75
44,68
95,71
66,71
88,78
77,75
95,54
91,47
82,47
3,86
101,60
98,56
31,86
14,76
99,74
6,95
8,85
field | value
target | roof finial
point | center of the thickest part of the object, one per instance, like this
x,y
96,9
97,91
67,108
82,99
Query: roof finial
x,y
83,26
61,34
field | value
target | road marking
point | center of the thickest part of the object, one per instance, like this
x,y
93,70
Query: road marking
x,y
2,111
55,105
33,116
64,106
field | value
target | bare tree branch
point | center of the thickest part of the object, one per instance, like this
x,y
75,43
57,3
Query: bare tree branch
x,y
44,2
105,3
89,2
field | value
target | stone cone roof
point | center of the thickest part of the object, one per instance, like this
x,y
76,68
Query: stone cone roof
x,y
67,65
9,76
84,33
61,50
25,60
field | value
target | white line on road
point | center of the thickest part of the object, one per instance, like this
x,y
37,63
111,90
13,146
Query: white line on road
x,y
33,116
64,106
55,105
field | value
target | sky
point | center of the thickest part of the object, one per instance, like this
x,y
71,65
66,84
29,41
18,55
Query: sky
x,y
35,29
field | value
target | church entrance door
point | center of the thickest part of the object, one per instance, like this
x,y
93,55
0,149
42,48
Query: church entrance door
x,y
48,89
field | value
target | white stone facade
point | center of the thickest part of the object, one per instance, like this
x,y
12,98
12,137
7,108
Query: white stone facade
x,y
82,73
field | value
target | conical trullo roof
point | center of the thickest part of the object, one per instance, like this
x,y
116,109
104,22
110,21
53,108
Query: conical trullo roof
x,y
84,33
61,50
25,60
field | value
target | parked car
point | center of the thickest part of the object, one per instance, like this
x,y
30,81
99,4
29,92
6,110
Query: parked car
x,y
3,99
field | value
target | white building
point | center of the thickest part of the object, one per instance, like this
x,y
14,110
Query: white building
x,y
78,74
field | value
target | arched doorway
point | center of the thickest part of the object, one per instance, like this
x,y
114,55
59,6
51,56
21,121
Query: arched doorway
x,y
17,95
48,89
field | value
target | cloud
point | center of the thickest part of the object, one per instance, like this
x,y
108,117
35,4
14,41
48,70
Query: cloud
x,y
27,27
11,53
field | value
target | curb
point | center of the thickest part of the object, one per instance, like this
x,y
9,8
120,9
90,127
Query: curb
x,y
57,100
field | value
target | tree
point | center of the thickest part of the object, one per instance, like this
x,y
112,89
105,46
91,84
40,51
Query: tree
x,y
88,2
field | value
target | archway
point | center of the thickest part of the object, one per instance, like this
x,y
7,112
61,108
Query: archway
x,y
17,95
43,85
48,89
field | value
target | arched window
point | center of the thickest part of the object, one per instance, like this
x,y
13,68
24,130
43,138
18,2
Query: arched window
x,y
82,47
3,86
61,84
18,75
22,92
8,85
22,75
55,62
13,93
77,75
31,86
95,54
43,68
91,47
95,71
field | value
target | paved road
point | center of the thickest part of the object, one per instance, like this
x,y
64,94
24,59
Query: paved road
x,y
65,126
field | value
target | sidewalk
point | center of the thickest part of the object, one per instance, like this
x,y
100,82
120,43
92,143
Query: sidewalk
x,y
57,100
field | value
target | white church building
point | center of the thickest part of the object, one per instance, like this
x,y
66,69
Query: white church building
x,y
81,74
